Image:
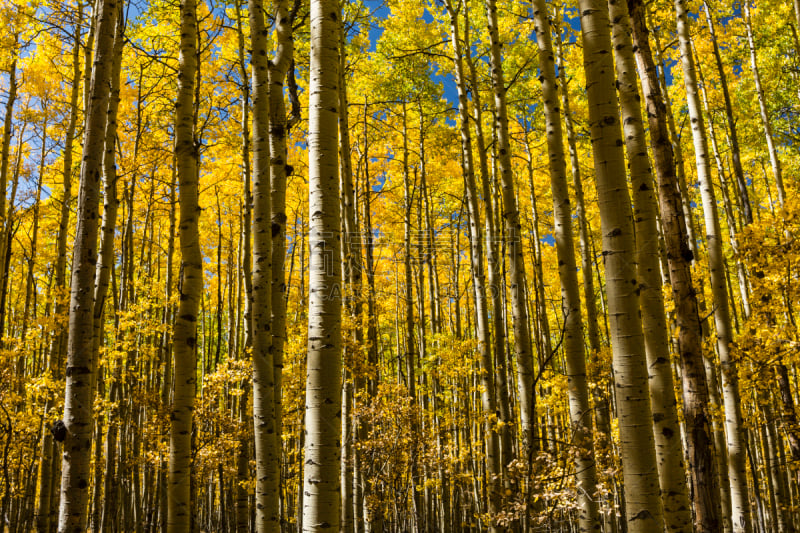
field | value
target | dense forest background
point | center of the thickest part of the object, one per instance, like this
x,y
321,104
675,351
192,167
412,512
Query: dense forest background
x,y
401,266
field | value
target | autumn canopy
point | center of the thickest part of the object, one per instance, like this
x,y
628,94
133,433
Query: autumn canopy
x,y
399,266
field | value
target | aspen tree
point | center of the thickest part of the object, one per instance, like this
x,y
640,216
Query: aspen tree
x,y
677,150
351,276
766,124
642,502
488,399
711,374
600,396
513,237
410,343
728,208
243,455
494,280
266,443
579,408
8,117
373,519
279,171
740,502
47,473
106,262
679,257
184,336
79,392
323,375
736,157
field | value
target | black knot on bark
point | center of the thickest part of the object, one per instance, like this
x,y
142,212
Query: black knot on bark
x,y
59,430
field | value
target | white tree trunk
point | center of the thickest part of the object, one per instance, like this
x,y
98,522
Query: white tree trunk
x,y
740,501
578,389
323,376
642,500
179,504
79,393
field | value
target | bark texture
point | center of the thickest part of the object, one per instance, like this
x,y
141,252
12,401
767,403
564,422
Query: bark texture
x,y
79,393
184,338
579,409
323,375
740,501
642,502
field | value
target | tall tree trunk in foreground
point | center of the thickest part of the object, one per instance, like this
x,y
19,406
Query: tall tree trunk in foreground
x,y
740,501
79,393
600,395
642,501
266,444
323,375
279,170
519,310
579,408
184,336
104,266
55,356
488,398
679,257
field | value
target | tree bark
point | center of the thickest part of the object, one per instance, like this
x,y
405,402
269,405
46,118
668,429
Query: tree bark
x,y
323,374
79,393
279,171
46,507
642,502
578,390
184,338
740,502
513,228
266,440
106,262
679,256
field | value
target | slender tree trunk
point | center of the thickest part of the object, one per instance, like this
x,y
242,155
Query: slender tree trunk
x,y
740,502
677,149
106,263
488,402
642,502
323,374
734,137
516,262
243,458
762,105
55,357
727,208
184,339
279,171
373,517
266,440
578,389
496,289
600,396
78,404
5,155
679,256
